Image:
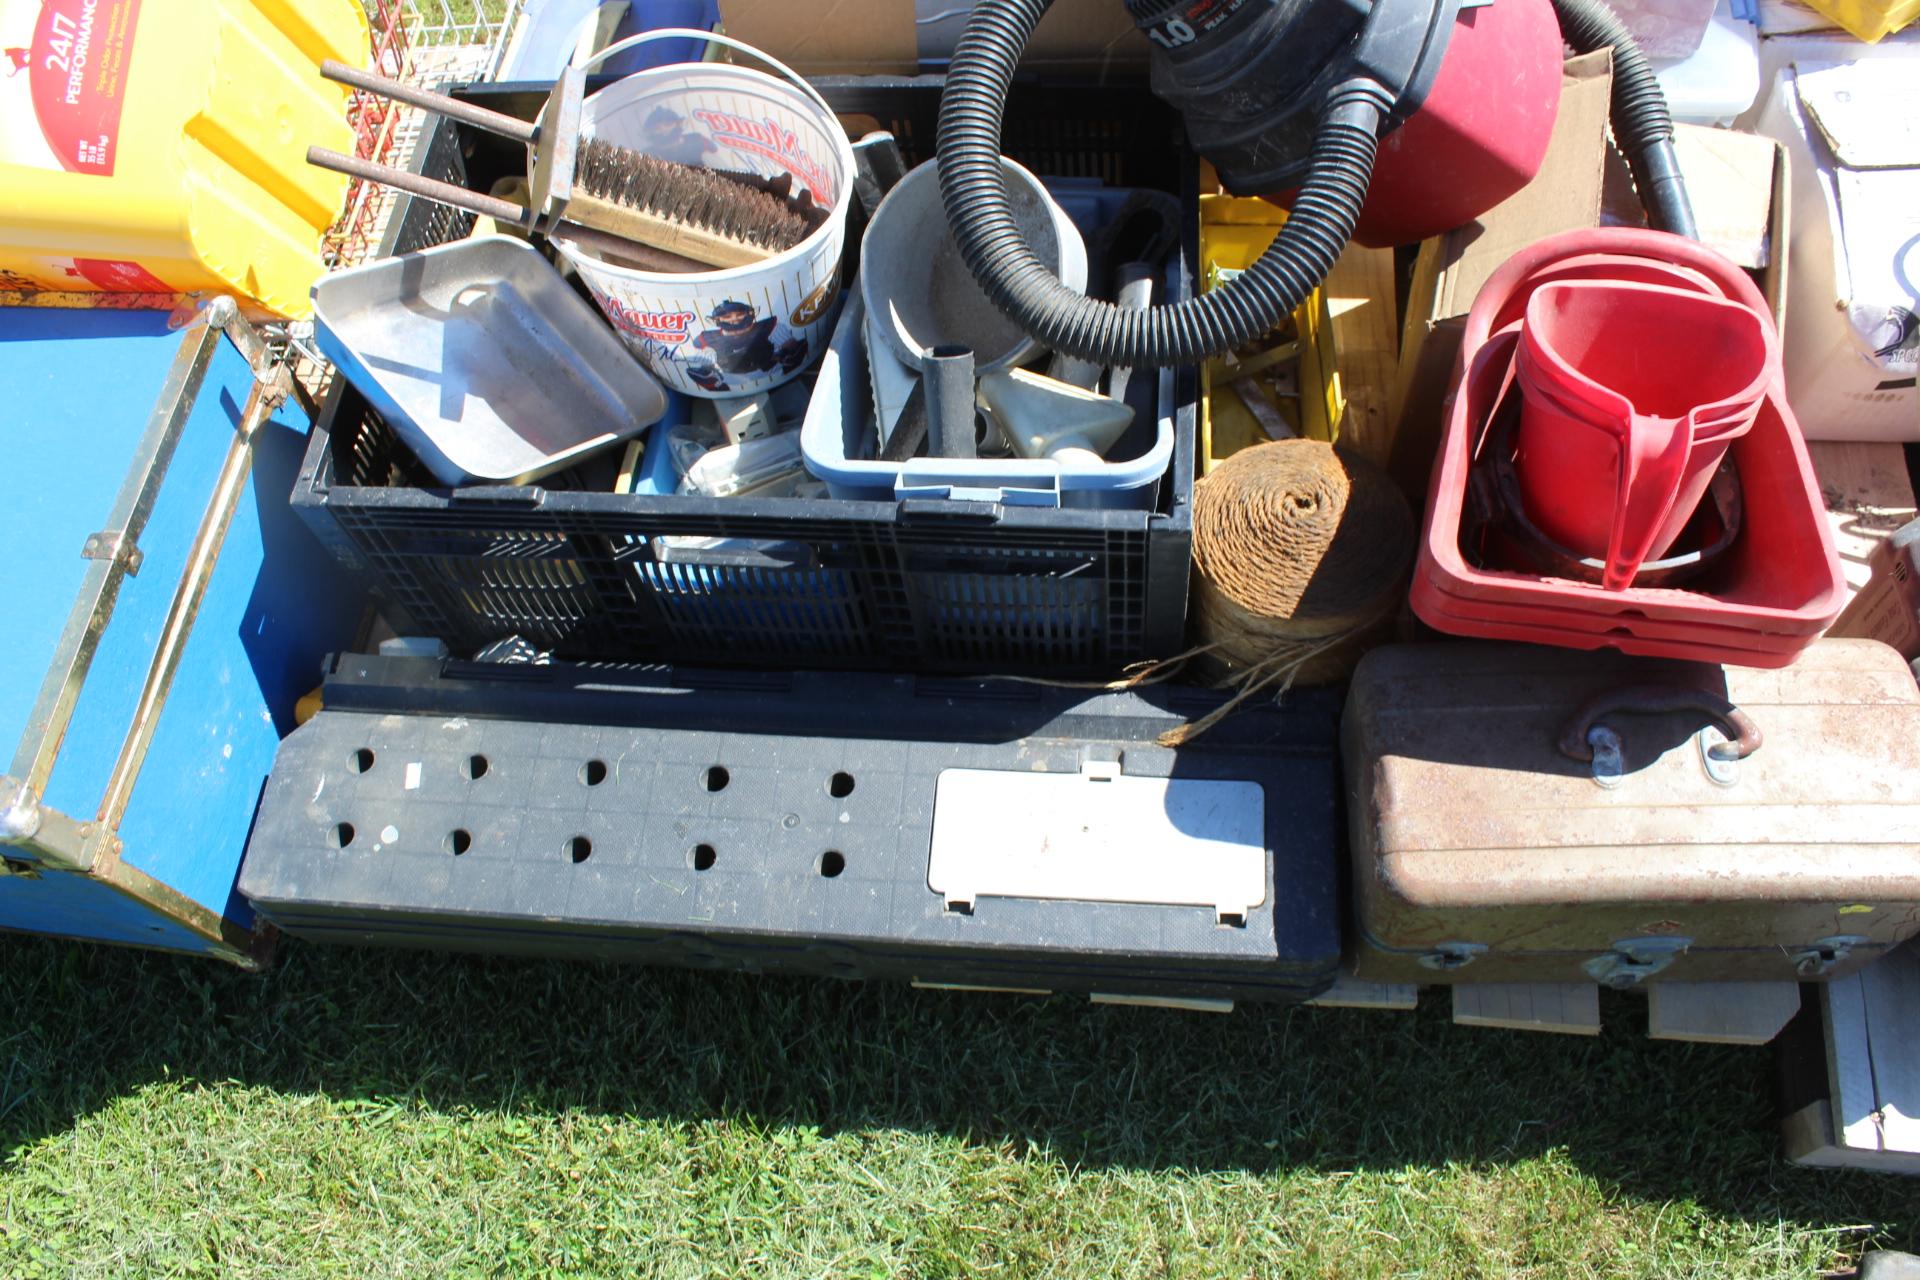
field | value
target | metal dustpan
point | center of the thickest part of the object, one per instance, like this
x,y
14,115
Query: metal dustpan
x,y
483,361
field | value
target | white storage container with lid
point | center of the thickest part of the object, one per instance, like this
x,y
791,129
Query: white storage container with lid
x,y
1718,80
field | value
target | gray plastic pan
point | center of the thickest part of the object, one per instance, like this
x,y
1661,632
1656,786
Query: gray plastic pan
x,y
483,361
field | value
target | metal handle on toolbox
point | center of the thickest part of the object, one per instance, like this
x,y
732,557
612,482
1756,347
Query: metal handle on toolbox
x,y
1653,699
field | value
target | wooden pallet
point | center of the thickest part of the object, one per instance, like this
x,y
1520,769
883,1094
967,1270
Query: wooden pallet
x,y
1867,1050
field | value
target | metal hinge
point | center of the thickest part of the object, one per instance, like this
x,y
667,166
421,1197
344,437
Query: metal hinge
x,y
20,812
1820,959
47,837
1634,960
1448,956
113,545
223,313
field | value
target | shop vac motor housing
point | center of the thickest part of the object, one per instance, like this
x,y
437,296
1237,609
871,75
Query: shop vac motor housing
x,y
1454,106
1474,92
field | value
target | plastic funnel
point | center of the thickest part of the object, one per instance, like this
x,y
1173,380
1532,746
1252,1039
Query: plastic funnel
x,y
1631,393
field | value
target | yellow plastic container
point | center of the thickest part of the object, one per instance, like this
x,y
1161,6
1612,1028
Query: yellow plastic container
x,y
1234,232
1869,19
160,145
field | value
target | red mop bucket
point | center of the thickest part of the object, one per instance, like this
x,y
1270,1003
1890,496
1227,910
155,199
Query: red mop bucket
x,y
1630,394
1773,592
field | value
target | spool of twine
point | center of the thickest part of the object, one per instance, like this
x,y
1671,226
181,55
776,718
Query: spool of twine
x,y
1300,550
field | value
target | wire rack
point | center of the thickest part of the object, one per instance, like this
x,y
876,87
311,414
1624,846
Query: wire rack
x,y
475,23
424,42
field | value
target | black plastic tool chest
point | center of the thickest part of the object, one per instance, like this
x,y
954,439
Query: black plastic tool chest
x,y
794,822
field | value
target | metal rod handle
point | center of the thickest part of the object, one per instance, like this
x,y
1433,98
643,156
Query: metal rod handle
x,y
1645,699
479,117
413,184
624,252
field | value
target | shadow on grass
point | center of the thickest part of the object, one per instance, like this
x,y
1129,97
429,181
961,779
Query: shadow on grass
x,y
1262,1089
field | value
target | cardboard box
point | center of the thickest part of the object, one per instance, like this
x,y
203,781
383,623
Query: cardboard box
x,y
1779,52
1091,39
1852,342
1451,268
1738,185
1887,609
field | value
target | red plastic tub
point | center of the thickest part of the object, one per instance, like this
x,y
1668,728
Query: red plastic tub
x,y
1777,589
1692,649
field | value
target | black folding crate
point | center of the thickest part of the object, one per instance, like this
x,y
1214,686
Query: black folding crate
x,y
940,585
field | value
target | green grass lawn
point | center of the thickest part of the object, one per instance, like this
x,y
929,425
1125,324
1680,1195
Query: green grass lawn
x,y
371,1114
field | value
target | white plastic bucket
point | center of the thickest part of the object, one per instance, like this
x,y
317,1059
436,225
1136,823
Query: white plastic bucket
x,y
693,330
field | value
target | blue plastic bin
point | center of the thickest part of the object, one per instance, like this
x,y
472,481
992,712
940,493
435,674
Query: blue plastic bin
x,y
837,439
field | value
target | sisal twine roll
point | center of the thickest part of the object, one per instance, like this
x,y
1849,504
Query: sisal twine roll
x,y
1299,550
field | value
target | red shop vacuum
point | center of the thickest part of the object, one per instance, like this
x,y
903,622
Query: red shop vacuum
x,y
1621,468
1474,94
1382,121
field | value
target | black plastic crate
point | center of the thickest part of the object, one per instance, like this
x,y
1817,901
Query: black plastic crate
x,y
923,584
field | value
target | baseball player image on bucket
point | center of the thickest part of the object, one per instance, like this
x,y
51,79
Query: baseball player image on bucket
x,y
741,345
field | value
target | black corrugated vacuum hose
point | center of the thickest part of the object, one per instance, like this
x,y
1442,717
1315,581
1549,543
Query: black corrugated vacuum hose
x,y
1641,122
981,215
975,193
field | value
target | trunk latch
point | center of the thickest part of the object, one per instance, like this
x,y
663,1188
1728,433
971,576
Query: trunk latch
x,y
1634,960
1818,960
1448,956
